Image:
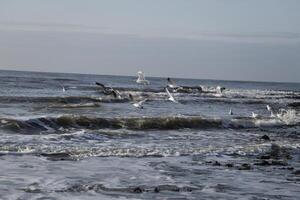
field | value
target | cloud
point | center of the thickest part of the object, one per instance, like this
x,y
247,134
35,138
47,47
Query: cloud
x,y
33,26
274,37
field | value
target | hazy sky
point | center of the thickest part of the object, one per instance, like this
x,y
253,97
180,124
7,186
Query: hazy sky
x,y
210,39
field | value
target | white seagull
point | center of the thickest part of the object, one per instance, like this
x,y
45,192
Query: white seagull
x,y
230,112
138,104
220,89
62,87
255,115
269,108
141,78
172,84
171,98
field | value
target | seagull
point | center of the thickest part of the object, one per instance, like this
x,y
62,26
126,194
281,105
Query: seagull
x,y
171,98
220,89
172,84
230,112
254,115
141,78
116,94
62,87
269,108
138,104
109,91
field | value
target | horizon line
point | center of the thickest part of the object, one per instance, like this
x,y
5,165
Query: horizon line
x,y
186,78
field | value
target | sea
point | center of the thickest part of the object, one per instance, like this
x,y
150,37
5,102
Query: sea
x,y
62,137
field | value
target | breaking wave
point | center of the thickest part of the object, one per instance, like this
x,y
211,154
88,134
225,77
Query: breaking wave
x,y
53,124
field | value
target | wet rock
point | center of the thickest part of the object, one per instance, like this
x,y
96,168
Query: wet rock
x,y
138,190
265,137
229,165
245,166
216,163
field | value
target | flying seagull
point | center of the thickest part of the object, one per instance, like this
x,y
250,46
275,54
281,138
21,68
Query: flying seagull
x,y
171,98
109,91
141,78
269,108
137,104
172,84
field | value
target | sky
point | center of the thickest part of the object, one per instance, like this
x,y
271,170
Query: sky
x,y
255,40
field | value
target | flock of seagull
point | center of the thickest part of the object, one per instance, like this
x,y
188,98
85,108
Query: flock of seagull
x,y
140,80
137,103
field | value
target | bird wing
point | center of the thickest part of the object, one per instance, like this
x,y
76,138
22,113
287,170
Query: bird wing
x,y
169,94
114,93
100,84
142,101
117,93
141,75
171,82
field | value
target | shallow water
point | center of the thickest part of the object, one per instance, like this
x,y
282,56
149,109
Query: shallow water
x,y
82,144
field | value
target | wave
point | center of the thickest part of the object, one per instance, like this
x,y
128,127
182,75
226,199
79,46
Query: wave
x,y
55,124
101,188
76,105
60,99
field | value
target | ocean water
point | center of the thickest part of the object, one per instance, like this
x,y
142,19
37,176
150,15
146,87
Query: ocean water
x,y
82,144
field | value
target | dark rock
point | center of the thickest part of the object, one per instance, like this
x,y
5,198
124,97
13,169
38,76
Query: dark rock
x,y
186,189
245,166
229,165
265,137
216,163
156,189
138,190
